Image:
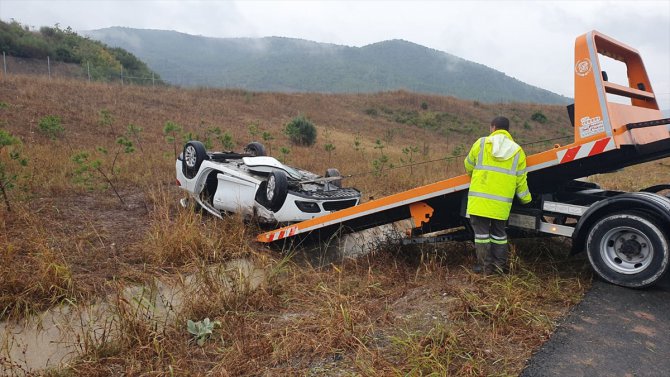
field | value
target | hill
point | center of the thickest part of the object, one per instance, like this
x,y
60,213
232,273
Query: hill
x,y
96,60
156,266
294,65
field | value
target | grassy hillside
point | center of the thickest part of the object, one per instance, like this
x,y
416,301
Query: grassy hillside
x,y
96,60
71,147
293,65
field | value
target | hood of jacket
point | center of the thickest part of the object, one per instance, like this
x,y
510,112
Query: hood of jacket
x,y
502,146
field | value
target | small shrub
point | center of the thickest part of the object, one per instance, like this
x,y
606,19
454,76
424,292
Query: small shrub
x,y
51,127
358,147
267,136
424,105
253,130
459,150
371,112
539,117
301,131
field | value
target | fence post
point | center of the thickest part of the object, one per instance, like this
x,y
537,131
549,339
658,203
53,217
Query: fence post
x,y
49,66
121,76
88,71
4,63
152,79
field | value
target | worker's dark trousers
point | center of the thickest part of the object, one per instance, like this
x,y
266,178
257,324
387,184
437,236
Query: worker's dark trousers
x,y
490,243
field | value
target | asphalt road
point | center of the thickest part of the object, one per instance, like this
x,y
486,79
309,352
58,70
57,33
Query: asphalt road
x,y
613,332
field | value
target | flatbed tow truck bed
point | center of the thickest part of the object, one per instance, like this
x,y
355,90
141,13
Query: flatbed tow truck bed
x,y
631,250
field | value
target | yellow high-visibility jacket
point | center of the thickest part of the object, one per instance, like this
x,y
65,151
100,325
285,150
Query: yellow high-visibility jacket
x,y
497,167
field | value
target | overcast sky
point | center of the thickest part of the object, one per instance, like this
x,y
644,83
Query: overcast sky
x,y
532,41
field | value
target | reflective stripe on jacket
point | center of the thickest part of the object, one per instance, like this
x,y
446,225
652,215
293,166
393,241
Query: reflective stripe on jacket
x,y
497,166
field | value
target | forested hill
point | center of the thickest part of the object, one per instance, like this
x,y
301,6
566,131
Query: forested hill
x,y
294,65
65,45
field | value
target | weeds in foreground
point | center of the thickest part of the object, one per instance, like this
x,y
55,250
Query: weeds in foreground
x,y
408,312
180,236
7,178
35,274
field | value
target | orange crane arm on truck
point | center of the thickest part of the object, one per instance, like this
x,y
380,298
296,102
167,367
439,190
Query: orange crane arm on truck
x,y
607,136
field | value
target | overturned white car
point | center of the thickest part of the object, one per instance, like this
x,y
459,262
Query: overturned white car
x,y
258,186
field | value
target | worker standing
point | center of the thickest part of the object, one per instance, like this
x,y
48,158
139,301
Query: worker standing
x,y
497,167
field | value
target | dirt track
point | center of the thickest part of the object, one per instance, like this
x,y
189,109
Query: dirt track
x,y
614,331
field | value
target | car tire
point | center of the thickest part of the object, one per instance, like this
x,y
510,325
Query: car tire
x,y
332,172
255,149
193,155
274,191
628,249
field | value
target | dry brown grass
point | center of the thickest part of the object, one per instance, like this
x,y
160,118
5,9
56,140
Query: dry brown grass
x,y
398,312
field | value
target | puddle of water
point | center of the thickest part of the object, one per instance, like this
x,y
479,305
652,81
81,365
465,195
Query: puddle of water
x,y
57,336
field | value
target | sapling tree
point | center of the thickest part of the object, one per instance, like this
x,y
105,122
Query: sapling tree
x,y
253,130
106,120
379,163
51,126
123,145
227,142
87,166
267,138
409,157
171,130
134,132
358,145
225,138
329,147
284,154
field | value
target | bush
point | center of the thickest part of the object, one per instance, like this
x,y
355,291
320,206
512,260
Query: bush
x,y
301,131
50,126
539,117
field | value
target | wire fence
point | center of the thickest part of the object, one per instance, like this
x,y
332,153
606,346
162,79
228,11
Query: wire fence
x,y
12,65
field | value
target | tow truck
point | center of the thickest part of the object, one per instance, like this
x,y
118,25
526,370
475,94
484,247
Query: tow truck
x,y
625,234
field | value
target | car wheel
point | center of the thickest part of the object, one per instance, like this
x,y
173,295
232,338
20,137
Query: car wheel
x,y
255,149
194,154
274,190
628,249
332,172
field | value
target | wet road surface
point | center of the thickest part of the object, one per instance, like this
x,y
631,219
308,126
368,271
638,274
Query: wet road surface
x,y
613,332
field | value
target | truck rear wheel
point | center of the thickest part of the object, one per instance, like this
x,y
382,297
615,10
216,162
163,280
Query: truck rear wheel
x,y
628,249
